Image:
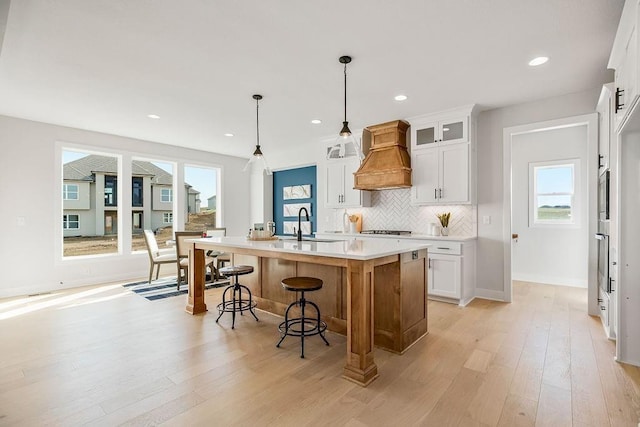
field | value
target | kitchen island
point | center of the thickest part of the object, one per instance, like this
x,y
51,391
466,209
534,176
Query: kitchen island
x,y
356,273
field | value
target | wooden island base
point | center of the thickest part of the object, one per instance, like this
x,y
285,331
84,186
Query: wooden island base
x,y
397,284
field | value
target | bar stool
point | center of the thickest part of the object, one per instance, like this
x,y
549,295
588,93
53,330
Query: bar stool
x,y
236,303
302,326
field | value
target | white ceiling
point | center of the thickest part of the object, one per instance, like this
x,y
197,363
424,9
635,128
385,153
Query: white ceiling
x,y
104,65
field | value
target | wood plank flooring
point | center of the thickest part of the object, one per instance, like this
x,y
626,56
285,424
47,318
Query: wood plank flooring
x,y
103,356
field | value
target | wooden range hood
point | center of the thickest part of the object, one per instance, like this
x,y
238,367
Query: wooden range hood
x,y
387,164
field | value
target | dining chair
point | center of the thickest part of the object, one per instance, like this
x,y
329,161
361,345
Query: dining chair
x,y
157,256
182,250
222,258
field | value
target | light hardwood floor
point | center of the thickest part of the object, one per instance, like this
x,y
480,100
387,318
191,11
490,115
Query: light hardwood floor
x,y
103,356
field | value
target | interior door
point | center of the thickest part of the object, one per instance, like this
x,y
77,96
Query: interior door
x,y
550,251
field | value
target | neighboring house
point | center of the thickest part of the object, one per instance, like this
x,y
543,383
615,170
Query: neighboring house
x,y
90,196
193,200
211,202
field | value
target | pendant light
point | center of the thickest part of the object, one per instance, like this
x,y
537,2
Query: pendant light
x,y
346,137
257,153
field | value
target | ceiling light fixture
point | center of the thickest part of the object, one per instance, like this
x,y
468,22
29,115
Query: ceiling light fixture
x,y
400,97
538,61
346,137
316,121
257,153
153,116
228,134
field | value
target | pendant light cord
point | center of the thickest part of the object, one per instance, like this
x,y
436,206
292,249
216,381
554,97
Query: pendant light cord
x,y
345,92
257,123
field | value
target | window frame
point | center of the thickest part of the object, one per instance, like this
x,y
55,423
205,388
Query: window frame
x,y
534,195
169,216
137,183
169,196
66,221
66,192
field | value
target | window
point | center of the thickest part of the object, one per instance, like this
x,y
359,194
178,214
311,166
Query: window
x,y
95,175
69,191
70,222
201,188
166,195
167,217
136,192
110,190
552,188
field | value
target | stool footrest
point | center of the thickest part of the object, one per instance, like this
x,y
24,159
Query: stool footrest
x,y
237,305
295,327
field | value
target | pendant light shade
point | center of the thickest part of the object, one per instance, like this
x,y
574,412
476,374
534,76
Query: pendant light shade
x,y
257,156
346,137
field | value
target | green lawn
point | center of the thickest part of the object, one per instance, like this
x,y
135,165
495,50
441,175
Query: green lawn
x,y
561,214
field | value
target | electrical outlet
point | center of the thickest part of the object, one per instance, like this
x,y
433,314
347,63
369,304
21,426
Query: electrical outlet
x,y
486,219
22,221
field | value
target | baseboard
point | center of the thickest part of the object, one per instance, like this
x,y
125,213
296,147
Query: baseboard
x,y
546,280
490,294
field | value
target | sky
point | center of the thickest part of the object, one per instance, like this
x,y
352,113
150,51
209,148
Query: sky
x,y
555,179
200,178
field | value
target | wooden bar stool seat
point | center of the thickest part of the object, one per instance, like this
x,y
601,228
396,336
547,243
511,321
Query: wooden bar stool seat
x,y
302,326
234,303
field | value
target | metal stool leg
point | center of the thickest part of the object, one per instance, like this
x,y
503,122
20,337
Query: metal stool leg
x,y
224,302
286,323
302,324
318,320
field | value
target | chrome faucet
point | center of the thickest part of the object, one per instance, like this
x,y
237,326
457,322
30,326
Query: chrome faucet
x,y
299,227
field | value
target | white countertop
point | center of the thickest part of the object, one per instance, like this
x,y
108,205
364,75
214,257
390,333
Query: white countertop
x,y
338,235
347,249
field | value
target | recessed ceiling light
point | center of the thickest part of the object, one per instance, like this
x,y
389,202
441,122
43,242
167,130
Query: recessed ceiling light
x,y
538,61
400,97
153,116
316,121
228,134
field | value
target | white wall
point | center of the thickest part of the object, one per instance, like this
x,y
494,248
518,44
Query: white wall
x,y
490,277
30,192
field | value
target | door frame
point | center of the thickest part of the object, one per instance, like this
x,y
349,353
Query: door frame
x,y
591,121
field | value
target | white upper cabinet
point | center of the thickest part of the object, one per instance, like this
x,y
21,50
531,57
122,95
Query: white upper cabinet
x,y
445,131
605,125
341,163
624,60
443,158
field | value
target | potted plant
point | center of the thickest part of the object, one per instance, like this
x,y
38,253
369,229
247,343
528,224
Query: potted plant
x,y
444,221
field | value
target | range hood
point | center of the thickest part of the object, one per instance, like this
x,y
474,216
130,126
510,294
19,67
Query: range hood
x,y
387,164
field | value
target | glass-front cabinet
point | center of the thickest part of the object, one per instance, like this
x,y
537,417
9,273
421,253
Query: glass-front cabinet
x,y
449,130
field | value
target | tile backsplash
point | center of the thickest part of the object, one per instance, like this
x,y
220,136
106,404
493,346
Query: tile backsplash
x,y
392,210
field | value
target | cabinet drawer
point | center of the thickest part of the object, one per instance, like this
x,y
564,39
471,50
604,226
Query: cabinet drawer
x,y
451,248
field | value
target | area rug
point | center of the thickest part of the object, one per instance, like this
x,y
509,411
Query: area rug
x,y
166,287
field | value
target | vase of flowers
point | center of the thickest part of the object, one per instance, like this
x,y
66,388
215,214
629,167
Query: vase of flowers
x,y
444,221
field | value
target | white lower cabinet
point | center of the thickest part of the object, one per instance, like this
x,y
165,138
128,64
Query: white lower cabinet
x,y
451,271
444,275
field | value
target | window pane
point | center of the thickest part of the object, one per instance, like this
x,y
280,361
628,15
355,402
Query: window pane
x,y
200,188
89,203
554,179
151,181
554,208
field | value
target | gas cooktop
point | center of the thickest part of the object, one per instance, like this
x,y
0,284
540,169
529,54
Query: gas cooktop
x,y
388,232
